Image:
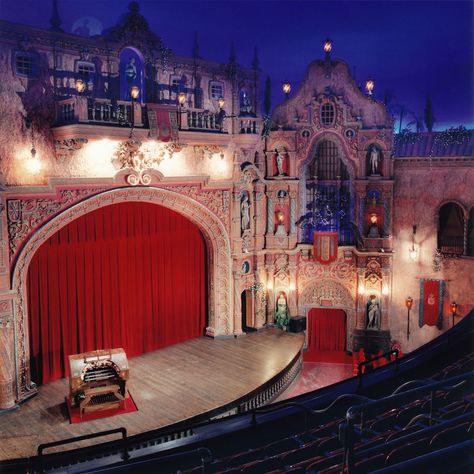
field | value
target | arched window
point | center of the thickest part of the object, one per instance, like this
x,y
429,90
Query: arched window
x,y
131,73
328,197
451,229
328,114
470,233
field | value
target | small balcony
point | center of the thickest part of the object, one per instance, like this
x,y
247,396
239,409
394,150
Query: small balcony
x,y
100,111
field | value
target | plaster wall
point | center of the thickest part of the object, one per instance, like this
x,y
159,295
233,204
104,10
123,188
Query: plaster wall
x,y
420,189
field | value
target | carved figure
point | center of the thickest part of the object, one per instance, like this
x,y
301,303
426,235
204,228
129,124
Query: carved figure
x,y
245,213
282,317
373,313
374,160
131,70
279,162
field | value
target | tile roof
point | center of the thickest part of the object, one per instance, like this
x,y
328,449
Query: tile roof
x,y
452,142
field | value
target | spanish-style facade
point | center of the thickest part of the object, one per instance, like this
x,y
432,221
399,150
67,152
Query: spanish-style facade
x,y
259,191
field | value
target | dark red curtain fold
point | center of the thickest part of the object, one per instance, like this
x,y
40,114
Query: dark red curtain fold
x,y
129,275
327,330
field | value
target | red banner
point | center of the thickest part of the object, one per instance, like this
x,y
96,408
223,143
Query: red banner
x,y
163,122
325,247
431,302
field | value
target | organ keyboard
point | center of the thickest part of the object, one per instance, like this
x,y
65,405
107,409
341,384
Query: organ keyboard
x,y
98,379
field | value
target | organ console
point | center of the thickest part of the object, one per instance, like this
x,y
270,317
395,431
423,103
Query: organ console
x,y
98,379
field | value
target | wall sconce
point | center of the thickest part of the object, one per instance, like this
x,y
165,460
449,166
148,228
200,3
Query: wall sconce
x,y
413,252
292,287
280,216
369,86
408,304
286,89
454,309
33,163
361,288
181,99
385,290
327,46
221,102
269,285
80,86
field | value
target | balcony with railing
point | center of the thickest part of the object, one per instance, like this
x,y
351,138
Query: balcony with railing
x,y
100,111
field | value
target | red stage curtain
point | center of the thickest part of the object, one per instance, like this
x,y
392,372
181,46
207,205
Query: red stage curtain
x,y
327,330
129,275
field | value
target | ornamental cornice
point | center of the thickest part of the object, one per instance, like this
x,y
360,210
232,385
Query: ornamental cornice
x,y
26,215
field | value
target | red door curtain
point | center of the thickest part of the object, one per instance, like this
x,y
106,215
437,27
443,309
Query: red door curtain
x,y
129,275
327,330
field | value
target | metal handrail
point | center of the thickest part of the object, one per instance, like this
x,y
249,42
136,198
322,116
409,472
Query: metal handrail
x,y
302,407
367,362
347,429
75,439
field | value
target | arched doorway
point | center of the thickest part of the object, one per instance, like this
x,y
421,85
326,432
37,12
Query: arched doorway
x,y
327,334
129,275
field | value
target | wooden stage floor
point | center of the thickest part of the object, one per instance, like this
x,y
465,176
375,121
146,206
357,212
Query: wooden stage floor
x,y
168,385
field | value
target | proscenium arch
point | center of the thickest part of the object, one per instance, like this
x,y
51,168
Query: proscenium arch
x,y
218,256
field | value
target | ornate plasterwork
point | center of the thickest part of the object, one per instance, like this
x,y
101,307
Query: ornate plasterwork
x,y
139,158
340,270
321,291
26,215
219,263
207,151
66,148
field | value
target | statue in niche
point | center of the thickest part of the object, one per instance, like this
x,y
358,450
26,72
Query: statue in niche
x,y
373,313
282,316
131,71
244,212
374,160
280,158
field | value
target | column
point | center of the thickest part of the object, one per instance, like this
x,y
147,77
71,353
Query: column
x,y
292,270
237,304
361,300
270,293
270,221
386,292
7,367
293,196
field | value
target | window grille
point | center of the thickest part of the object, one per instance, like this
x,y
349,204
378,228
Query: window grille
x,y
328,114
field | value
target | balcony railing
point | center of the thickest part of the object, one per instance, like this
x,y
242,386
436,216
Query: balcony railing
x,y
80,109
451,245
202,120
86,110
248,125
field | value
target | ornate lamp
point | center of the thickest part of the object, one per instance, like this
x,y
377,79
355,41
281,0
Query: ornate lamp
x,y
33,163
181,99
369,86
221,102
454,309
413,252
408,304
134,92
80,86
327,46
286,88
